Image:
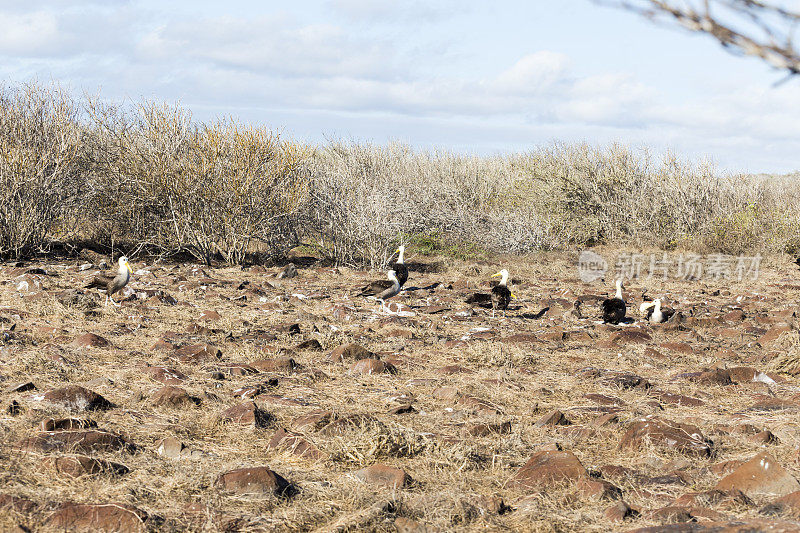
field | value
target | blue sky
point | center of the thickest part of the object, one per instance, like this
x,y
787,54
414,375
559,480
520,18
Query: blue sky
x,y
468,76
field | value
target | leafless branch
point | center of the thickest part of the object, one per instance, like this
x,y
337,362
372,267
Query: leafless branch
x,y
750,27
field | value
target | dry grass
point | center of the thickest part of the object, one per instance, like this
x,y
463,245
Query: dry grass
x,y
452,469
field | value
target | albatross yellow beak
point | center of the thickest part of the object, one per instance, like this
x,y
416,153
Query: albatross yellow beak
x,y
513,295
498,274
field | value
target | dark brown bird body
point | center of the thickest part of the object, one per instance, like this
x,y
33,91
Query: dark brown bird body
x,y
614,308
501,297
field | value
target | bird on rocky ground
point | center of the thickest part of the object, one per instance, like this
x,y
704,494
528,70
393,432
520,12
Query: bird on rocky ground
x,y
112,281
501,294
653,311
614,308
399,267
382,289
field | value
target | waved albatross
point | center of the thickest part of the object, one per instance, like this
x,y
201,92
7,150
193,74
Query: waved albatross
x,y
501,294
112,282
655,313
399,267
376,290
614,308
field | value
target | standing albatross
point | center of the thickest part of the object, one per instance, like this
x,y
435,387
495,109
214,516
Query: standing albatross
x,y
380,291
614,308
112,282
501,294
399,267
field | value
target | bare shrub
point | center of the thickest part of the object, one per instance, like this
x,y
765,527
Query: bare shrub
x,y
40,167
364,199
211,189
150,177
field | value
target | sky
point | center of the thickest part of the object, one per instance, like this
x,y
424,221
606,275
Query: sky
x,y
462,75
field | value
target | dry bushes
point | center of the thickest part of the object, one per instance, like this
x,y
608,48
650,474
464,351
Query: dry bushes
x,y
364,199
219,189
148,177
41,176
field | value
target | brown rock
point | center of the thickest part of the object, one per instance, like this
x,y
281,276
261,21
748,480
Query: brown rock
x,y
742,374
197,353
598,489
256,480
279,364
313,421
603,399
310,344
678,347
716,376
247,413
630,336
76,441
684,438
484,430
773,333
349,351
384,476
98,517
619,511
729,499
670,515
17,503
677,399
210,316
21,387
296,444
170,447
521,338
547,468
371,366
605,420
89,340
173,396
164,374
737,315
553,418
760,475
479,404
764,437
75,397
62,424
80,465
788,504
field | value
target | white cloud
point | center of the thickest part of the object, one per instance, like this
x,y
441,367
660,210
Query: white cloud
x,y
534,73
55,33
391,10
271,45
283,64
28,33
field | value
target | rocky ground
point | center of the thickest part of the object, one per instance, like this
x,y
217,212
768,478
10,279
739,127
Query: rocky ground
x,y
239,400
